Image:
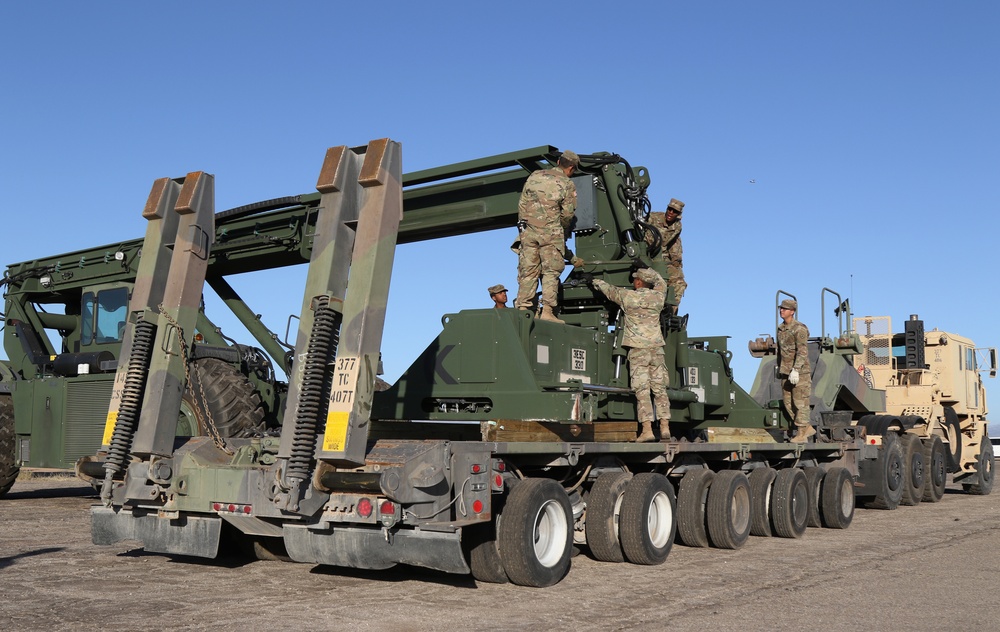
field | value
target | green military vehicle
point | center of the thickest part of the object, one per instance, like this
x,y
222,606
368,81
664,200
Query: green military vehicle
x,y
507,440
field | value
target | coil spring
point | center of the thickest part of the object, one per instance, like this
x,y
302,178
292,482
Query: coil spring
x,y
131,402
315,389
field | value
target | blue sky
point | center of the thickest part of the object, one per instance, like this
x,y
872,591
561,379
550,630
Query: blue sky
x,y
849,145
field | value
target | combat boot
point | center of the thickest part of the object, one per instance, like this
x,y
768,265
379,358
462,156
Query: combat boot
x,y
803,433
549,316
665,431
647,433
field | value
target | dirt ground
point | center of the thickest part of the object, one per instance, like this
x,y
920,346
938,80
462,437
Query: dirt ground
x,y
930,567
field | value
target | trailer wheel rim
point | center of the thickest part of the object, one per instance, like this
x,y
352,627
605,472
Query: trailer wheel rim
x,y
550,533
740,509
846,496
659,520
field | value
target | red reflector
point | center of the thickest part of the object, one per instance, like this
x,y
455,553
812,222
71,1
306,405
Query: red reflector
x,y
232,507
477,506
498,481
246,509
217,506
364,507
476,468
873,441
500,466
387,507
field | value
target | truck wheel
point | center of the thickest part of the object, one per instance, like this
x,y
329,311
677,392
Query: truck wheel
x,y
954,433
228,396
604,507
983,478
729,509
8,468
480,543
936,463
790,503
647,525
890,461
913,470
814,480
837,498
692,501
535,534
761,483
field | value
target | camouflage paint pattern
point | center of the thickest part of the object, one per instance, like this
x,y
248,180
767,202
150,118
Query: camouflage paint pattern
x,y
380,204
648,372
147,292
642,309
545,209
181,302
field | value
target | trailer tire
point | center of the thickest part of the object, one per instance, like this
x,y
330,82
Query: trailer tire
x,y
647,525
790,503
953,429
8,438
535,534
814,479
913,470
483,553
837,498
729,510
692,504
984,475
603,516
761,484
891,475
229,397
936,464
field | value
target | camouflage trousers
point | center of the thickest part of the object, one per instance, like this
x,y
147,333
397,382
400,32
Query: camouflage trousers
x,y
675,279
797,399
541,255
647,372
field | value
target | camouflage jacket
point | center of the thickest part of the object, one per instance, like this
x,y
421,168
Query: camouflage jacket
x,y
792,350
642,309
548,199
670,238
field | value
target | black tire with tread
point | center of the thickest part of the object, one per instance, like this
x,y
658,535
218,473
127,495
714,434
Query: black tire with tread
x,y
603,512
729,509
984,476
530,502
935,469
837,498
230,397
814,479
648,519
914,470
8,468
761,484
891,482
483,553
692,503
790,503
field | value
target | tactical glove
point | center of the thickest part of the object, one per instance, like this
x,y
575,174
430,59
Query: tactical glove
x,y
793,377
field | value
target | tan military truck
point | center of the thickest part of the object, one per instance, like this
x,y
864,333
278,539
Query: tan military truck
x,y
933,384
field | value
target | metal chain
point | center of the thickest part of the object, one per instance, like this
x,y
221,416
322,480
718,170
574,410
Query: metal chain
x,y
213,432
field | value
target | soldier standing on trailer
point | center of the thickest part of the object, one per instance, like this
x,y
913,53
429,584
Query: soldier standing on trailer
x,y
499,295
668,224
544,213
646,366
794,369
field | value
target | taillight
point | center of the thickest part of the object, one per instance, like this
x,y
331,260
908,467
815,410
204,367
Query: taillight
x,y
364,508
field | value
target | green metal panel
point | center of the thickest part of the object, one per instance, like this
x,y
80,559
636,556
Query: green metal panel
x,y
86,410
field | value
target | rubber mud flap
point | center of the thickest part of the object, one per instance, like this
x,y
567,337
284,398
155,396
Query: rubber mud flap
x,y
197,536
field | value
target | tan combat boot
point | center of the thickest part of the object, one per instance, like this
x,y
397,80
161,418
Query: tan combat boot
x,y
647,433
665,431
549,316
803,433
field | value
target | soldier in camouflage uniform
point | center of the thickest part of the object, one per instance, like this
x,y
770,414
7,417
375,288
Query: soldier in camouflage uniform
x,y
647,370
499,295
794,369
544,213
668,224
